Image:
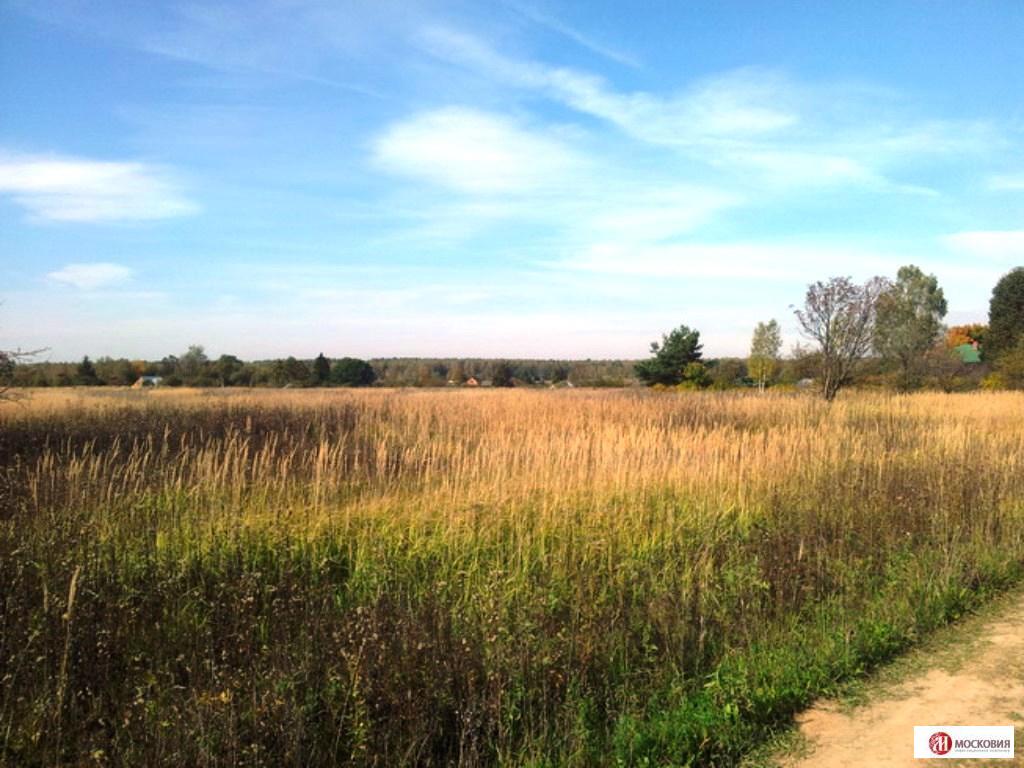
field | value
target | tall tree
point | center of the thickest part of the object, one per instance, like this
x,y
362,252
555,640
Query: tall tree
x,y
226,369
908,319
321,370
764,352
1005,315
192,364
85,373
839,316
676,350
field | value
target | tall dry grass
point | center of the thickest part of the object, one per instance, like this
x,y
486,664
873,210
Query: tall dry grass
x,y
477,577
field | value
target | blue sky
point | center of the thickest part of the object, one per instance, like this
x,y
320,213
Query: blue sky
x,y
499,179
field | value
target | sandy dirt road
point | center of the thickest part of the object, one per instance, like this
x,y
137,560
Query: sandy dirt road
x,y
977,678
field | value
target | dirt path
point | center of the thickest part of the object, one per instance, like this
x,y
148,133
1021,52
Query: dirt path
x,y
974,677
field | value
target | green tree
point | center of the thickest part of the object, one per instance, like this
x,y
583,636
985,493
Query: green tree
x,y
192,364
289,371
727,372
908,320
226,369
676,350
321,370
1010,366
503,375
1005,315
695,376
352,372
839,316
168,366
764,352
85,373
115,372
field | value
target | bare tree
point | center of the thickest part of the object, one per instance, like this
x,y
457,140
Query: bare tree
x,y
839,316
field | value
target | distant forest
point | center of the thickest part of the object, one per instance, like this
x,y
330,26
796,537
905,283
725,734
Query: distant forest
x,y
195,369
884,333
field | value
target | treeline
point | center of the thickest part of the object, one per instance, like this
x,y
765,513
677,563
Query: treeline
x,y
426,372
942,368
195,369
717,373
883,332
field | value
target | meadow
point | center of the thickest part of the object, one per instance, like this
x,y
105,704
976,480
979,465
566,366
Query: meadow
x,y
477,577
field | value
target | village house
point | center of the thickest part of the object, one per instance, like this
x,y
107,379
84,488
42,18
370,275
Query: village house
x,y
147,381
969,353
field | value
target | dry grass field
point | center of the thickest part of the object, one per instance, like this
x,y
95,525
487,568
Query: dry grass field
x,y
388,578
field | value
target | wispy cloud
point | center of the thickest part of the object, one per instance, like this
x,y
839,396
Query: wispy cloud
x,y
473,151
751,261
993,245
635,213
747,102
1008,181
578,37
88,277
262,40
75,189
495,172
750,120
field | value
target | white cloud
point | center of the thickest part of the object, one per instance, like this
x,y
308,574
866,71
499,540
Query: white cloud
x,y
743,103
89,277
797,167
753,121
995,245
474,152
740,103
654,213
1007,182
502,170
74,189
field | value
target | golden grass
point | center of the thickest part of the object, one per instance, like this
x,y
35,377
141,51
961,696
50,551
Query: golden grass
x,y
442,452
592,551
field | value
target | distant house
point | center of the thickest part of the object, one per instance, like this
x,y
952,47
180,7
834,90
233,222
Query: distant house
x,y
147,381
471,382
969,353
